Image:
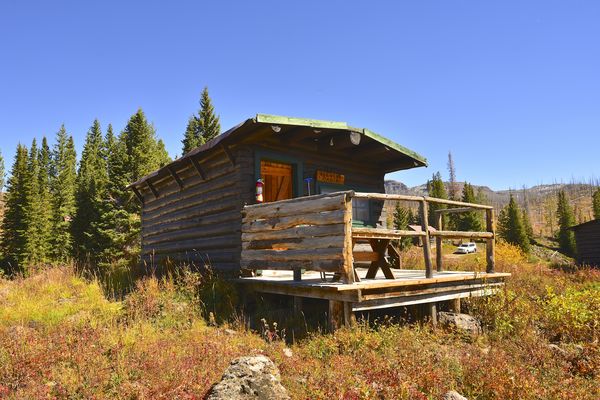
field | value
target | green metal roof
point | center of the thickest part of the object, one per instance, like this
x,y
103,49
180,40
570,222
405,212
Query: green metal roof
x,y
316,123
245,128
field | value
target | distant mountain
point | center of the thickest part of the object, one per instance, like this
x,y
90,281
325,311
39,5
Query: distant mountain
x,y
539,200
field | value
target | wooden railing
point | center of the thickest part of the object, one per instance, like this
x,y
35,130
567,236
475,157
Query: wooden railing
x,y
316,233
439,234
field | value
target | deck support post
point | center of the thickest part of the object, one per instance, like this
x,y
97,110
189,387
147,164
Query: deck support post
x,y
431,310
438,243
349,317
297,304
340,314
490,246
454,305
336,315
425,238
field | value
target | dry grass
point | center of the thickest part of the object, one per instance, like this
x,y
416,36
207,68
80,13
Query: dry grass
x,y
61,338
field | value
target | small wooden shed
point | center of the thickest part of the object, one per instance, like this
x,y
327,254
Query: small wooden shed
x,y
192,207
587,237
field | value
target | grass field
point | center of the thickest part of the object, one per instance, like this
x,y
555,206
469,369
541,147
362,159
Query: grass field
x,y
61,337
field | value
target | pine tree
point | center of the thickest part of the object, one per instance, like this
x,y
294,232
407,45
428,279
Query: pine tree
x,y
191,138
435,188
90,188
402,218
510,226
13,222
452,184
45,200
135,153
36,244
566,219
527,225
144,152
481,198
2,174
203,127
208,122
64,175
2,199
596,203
117,228
469,221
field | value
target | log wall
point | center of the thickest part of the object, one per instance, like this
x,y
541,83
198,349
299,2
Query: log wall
x,y
308,232
199,222
359,175
587,237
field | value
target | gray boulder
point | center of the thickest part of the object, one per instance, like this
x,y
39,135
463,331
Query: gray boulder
x,y
253,377
452,395
463,322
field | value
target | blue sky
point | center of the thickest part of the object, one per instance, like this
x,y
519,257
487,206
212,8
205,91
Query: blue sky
x,y
512,88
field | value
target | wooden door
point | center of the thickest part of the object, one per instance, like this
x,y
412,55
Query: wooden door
x,y
277,180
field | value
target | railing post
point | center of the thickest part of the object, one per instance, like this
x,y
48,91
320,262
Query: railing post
x,y
348,244
438,243
490,246
426,242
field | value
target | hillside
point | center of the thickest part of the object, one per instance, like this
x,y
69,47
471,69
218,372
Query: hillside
x,y
539,200
60,337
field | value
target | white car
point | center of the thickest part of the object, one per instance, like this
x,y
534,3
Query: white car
x,y
467,248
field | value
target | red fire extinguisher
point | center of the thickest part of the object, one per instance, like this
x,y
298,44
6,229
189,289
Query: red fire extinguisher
x,y
259,191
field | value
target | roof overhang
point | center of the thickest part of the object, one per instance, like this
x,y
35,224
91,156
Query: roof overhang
x,y
386,154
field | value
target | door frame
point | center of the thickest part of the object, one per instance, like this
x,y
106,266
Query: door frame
x,y
296,163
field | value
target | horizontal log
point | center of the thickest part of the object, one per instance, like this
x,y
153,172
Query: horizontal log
x,y
284,209
194,233
196,191
378,233
462,235
206,258
415,280
300,199
192,222
324,218
228,203
420,299
302,290
456,210
383,196
401,197
209,243
182,168
296,243
312,265
297,231
429,290
457,203
228,191
293,255
363,256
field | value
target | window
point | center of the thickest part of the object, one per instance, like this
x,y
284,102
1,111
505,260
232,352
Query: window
x,y
361,208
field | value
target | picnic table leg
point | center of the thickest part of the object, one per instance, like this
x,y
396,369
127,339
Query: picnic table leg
x,y
379,246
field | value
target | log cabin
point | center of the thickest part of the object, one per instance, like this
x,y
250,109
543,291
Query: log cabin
x,y
587,239
296,199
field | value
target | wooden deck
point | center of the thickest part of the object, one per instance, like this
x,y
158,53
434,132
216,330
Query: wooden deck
x,y
315,234
408,287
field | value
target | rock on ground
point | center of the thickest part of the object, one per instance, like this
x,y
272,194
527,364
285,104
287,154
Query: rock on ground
x,y
253,377
458,321
452,395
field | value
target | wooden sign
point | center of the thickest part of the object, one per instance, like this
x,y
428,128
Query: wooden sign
x,y
330,177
